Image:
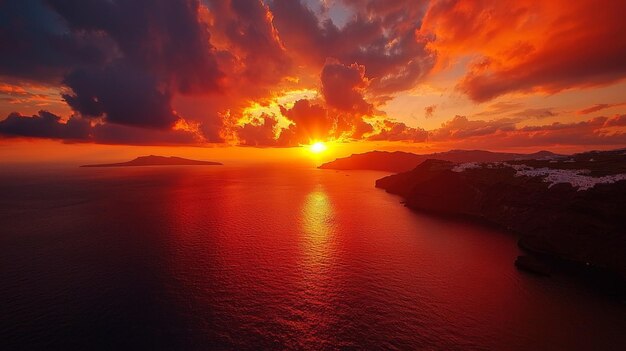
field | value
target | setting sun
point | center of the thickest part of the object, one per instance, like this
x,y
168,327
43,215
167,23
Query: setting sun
x,y
317,147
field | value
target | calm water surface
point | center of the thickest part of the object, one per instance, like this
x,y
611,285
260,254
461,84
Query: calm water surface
x,y
267,258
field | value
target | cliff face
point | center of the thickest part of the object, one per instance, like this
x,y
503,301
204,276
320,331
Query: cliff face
x,y
572,208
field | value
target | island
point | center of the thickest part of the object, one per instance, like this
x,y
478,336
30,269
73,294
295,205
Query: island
x,y
569,208
153,160
399,161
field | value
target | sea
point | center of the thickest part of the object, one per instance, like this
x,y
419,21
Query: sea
x,y
267,257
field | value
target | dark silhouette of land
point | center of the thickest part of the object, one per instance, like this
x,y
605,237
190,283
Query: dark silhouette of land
x,y
567,208
153,160
399,161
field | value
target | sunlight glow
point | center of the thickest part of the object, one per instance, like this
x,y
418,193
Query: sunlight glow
x,y
317,147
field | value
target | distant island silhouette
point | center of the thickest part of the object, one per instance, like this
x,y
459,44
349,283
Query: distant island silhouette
x,y
399,161
153,160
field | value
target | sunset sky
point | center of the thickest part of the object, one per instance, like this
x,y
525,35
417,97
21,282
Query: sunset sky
x,y
104,79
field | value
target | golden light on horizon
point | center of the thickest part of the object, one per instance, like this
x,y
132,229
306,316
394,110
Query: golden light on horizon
x,y
318,147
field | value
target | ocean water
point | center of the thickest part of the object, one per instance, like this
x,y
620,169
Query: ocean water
x,y
267,257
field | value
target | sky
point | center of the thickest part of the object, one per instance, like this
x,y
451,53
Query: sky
x,y
254,79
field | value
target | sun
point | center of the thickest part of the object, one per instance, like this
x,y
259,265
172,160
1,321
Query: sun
x,y
317,147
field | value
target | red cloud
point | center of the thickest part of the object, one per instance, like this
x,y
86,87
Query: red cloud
x,y
311,122
598,107
343,87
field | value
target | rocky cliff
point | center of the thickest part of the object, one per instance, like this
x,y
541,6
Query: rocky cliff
x,y
573,207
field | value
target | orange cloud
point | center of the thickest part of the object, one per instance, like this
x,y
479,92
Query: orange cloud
x,y
598,107
596,132
261,132
527,46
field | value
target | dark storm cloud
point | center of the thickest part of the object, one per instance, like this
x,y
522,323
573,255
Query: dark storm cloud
x,y
36,44
97,93
45,125
163,37
164,49
122,60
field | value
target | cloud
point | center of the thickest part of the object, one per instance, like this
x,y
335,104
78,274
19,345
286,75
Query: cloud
x,y
517,110
500,108
598,107
429,111
397,131
537,113
163,37
310,122
127,135
505,132
599,131
343,87
360,128
35,44
245,34
121,60
163,48
45,125
527,46
380,36
591,132
260,133
615,121
460,127
97,93
190,71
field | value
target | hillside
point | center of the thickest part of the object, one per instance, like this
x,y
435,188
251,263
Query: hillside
x,y
399,161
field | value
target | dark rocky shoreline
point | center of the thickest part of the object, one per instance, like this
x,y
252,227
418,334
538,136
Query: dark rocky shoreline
x,y
578,227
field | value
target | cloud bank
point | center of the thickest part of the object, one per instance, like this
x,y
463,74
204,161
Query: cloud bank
x,y
229,71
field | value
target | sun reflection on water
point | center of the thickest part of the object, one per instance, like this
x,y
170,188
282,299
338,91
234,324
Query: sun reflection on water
x,y
318,229
317,217
318,282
